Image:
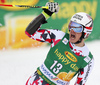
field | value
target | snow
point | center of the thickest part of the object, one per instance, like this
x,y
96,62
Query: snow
x,y
17,65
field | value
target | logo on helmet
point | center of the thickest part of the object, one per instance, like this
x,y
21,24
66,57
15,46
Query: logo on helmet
x,y
79,17
88,16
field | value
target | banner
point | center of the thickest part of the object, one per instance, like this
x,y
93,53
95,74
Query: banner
x,y
14,20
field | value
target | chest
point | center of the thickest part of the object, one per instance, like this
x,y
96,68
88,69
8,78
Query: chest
x,y
62,55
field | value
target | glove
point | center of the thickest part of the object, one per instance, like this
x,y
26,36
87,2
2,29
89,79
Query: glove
x,y
53,7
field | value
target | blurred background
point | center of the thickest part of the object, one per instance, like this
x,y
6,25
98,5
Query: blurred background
x,y
20,55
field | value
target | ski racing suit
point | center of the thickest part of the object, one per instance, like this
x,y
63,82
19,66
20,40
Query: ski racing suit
x,y
64,60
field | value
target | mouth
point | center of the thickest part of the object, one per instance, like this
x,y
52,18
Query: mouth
x,y
72,36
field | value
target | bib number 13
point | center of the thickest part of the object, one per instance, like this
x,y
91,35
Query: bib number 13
x,y
56,67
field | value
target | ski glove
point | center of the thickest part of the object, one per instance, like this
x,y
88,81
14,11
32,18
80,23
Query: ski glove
x,y
53,7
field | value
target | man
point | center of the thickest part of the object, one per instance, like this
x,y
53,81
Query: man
x,y
68,55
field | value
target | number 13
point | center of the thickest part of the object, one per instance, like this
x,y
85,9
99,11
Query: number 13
x,y
59,66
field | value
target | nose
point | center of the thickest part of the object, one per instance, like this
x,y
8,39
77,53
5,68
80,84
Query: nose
x,y
72,30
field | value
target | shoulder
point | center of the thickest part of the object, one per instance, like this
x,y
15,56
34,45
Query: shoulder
x,y
88,52
89,57
56,31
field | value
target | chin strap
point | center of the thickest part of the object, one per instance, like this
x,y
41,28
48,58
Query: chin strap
x,y
80,40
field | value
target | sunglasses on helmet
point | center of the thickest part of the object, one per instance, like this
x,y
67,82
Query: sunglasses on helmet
x,y
75,26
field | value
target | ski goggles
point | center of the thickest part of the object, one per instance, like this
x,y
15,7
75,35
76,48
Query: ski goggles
x,y
75,26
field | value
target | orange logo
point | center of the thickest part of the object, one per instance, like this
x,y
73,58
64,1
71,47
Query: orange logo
x,y
70,56
17,2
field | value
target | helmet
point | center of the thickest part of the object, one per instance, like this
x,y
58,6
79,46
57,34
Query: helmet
x,y
85,20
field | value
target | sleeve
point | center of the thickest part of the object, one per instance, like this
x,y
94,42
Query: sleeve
x,y
35,24
52,36
84,73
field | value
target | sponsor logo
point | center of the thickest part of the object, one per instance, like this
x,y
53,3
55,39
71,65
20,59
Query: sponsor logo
x,y
66,76
46,72
88,16
70,56
67,59
65,41
50,76
62,57
87,59
88,70
55,79
79,17
39,72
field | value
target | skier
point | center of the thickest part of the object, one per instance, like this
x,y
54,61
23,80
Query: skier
x,y
68,54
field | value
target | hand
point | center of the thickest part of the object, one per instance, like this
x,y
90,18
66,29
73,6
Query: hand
x,y
53,7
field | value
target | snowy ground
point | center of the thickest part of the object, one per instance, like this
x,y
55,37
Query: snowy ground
x,y
17,65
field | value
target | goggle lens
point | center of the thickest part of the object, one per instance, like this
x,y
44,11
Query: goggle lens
x,y
75,26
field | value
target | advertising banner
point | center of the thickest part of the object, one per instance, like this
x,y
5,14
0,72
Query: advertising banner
x,y
14,20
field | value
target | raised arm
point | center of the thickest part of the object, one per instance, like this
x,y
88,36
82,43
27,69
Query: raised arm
x,y
41,19
33,30
35,24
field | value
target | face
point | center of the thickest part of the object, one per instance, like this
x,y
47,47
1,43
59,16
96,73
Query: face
x,y
74,36
75,31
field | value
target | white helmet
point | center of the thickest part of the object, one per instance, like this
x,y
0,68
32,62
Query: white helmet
x,y
85,20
